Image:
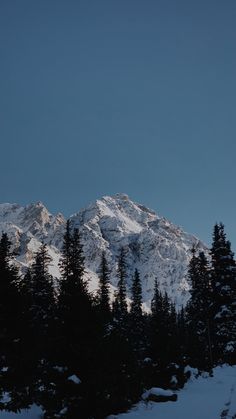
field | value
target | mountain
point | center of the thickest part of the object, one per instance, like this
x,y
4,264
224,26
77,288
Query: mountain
x,y
27,227
157,248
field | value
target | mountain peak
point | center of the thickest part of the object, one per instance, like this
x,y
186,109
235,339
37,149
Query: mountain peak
x,y
121,196
156,247
117,214
38,204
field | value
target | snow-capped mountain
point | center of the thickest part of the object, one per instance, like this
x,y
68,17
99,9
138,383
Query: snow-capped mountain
x,y
157,248
27,227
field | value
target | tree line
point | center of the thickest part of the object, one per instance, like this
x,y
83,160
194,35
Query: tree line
x,y
79,355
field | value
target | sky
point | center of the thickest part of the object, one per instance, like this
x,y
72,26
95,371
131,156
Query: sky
x,y
132,96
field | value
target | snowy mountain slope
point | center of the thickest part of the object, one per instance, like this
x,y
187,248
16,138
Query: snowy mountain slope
x,y
27,227
159,249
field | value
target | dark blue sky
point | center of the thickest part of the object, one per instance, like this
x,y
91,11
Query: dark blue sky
x,y
106,96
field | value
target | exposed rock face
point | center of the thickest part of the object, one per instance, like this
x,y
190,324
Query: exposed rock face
x,y
157,248
27,227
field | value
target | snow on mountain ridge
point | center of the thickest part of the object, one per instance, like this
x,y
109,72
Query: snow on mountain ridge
x,y
29,226
159,249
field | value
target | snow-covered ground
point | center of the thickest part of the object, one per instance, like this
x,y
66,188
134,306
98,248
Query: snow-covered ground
x,y
202,398
33,413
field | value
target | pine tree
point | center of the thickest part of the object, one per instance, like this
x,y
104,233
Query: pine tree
x,y
42,290
168,330
120,305
65,262
8,293
73,297
11,325
76,334
156,344
156,302
103,290
182,335
224,291
162,336
193,268
30,355
198,313
77,262
38,292
123,366
136,316
136,296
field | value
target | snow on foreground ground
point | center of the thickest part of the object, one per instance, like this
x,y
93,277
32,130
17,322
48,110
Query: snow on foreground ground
x,y
202,398
33,413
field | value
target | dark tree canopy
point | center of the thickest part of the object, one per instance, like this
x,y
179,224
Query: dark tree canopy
x,y
224,290
64,348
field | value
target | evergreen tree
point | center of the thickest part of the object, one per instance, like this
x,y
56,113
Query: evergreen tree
x,y
224,291
26,288
124,367
76,335
65,262
38,293
162,336
136,316
136,296
155,322
43,301
74,300
198,313
74,296
182,335
103,290
72,262
168,330
8,292
11,326
156,302
120,305
8,278
77,267
157,343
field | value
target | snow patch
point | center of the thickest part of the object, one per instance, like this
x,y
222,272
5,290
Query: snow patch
x,y
156,391
201,398
74,378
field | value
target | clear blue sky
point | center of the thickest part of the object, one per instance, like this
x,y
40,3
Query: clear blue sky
x,y
106,96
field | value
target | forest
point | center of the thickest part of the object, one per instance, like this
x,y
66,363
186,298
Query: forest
x,y
83,355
